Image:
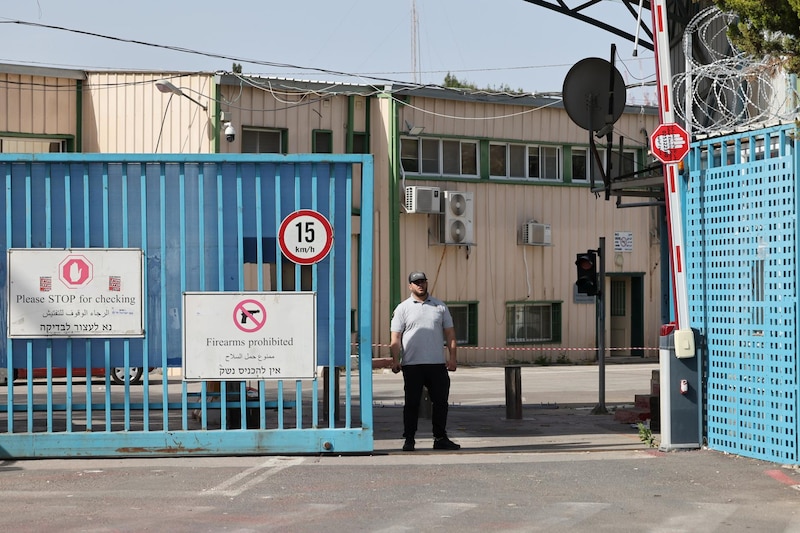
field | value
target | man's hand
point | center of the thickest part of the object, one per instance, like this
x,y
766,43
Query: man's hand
x,y
451,365
395,366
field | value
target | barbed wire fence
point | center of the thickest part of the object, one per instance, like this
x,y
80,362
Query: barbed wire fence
x,y
725,90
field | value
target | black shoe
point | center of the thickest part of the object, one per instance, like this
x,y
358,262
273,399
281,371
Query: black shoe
x,y
445,444
409,445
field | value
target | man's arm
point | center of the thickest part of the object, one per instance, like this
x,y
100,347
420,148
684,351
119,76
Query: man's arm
x,y
394,349
452,345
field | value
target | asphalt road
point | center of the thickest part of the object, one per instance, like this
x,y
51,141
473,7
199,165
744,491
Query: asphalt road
x,y
560,468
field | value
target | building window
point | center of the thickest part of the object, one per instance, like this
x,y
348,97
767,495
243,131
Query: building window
x,y
465,320
618,297
544,163
439,157
628,164
533,322
497,160
430,156
322,142
520,161
360,143
23,145
409,155
580,164
460,158
258,141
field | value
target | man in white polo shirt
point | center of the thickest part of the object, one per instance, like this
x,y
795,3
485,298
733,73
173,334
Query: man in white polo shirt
x,y
420,326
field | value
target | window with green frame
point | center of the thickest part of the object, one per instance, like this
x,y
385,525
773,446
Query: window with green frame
x,y
263,141
33,145
533,322
446,157
322,142
465,320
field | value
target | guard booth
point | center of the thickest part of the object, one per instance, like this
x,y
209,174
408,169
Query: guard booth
x,y
185,305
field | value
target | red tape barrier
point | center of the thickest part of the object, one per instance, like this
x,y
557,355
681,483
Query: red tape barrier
x,y
535,348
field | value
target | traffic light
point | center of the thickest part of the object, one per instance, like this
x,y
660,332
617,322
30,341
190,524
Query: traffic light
x,y
587,273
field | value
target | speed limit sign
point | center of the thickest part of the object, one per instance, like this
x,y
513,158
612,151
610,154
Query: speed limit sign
x,y
305,237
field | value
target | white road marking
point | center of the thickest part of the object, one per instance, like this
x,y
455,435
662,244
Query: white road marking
x,y
239,483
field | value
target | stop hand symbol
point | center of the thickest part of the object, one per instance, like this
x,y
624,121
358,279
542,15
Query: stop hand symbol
x,y
75,273
669,142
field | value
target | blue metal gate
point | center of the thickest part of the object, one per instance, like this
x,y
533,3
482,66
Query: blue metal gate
x,y
741,234
203,224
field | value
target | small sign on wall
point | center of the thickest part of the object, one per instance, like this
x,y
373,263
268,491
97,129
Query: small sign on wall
x,y
623,241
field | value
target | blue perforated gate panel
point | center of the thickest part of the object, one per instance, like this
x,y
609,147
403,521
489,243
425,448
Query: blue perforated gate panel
x,y
202,224
741,255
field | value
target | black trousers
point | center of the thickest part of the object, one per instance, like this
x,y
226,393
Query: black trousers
x,y
436,379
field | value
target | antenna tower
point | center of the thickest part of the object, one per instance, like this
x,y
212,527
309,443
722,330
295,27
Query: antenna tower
x,y
414,41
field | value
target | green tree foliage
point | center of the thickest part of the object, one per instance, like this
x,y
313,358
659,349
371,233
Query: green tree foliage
x,y
767,28
453,82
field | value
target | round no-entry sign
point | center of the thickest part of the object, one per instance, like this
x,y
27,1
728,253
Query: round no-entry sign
x,y
75,271
305,237
669,143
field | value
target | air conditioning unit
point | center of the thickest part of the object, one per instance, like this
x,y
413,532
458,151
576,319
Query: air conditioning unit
x,y
458,214
533,233
423,200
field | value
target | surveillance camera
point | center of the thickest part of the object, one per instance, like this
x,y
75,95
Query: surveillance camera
x,y
230,132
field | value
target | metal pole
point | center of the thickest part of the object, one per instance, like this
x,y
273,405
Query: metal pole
x,y
600,311
514,392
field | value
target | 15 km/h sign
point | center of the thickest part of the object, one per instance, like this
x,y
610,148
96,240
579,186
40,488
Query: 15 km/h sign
x,y
305,237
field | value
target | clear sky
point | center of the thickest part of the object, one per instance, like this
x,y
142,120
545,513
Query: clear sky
x,y
490,43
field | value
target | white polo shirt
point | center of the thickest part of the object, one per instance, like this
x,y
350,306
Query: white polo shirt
x,y
422,326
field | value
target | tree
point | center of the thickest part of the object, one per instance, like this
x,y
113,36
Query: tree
x,y
453,82
767,28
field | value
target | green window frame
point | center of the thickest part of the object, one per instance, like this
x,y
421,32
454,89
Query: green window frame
x,y
321,141
533,322
440,157
465,320
264,140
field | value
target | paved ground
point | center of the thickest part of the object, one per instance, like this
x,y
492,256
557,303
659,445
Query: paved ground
x,y
560,468
557,409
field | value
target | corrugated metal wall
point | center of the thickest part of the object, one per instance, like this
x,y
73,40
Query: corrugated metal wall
x,y
125,113
38,104
496,269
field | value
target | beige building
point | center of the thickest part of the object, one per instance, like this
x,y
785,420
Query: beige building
x,y
489,194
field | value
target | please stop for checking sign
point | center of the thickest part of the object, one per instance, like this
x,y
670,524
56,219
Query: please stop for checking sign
x,y
90,292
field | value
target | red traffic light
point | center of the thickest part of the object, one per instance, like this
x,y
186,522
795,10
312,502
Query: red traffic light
x,y
587,273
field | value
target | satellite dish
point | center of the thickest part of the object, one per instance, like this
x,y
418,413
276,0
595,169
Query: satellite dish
x,y
588,93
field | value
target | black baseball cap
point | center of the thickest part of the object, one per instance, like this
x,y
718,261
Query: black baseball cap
x,y
417,276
